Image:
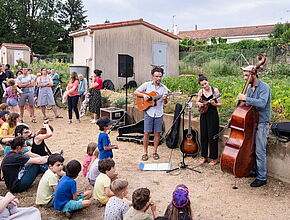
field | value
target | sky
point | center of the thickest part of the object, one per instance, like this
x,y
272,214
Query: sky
x,y
206,14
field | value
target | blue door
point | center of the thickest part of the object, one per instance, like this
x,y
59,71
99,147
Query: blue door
x,y
159,55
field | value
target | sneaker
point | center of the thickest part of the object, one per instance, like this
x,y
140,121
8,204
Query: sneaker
x,y
94,121
82,114
69,121
258,183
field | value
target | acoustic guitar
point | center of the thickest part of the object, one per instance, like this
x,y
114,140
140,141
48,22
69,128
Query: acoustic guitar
x,y
143,105
190,144
204,108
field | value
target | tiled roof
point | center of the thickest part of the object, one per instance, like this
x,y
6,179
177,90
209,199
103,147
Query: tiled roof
x,y
128,23
228,32
11,45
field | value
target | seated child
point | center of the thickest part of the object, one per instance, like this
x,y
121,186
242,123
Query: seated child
x,y
141,203
47,184
116,206
9,210
93,168
66,198
179,208
90,151
102,191
104,143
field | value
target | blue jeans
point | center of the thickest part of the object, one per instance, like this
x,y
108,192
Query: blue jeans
x,y
29,175
261,147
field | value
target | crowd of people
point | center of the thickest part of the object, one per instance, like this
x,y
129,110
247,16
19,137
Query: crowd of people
x,y
58,186
26,89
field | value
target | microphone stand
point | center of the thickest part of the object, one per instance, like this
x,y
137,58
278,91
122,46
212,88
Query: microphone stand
x,y
182,164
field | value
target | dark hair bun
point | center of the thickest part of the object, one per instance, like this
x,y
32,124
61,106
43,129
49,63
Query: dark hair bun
x,y
201,77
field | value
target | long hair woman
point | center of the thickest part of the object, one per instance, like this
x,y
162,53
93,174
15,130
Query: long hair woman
x,y
73,97
8,127
95,91
209,121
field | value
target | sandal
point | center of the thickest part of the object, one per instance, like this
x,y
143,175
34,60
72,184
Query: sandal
x,y
155,156
203,160
144,157
213,162
33,120
59,116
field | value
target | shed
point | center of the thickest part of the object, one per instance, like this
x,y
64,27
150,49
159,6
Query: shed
x,y
98,47
10,53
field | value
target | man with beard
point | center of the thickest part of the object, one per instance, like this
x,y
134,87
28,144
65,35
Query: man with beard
x,y
153,117
258,95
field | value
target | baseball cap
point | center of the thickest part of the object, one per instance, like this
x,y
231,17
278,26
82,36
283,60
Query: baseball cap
x,y
4,113
248,68
180,196
105,121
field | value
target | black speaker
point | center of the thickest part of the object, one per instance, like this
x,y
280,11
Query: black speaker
x,y
125,65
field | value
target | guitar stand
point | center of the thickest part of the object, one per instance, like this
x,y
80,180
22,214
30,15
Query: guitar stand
x,y
182,165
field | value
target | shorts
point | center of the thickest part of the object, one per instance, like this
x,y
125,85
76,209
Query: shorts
x,y
12,102
73,205
152,124
25,96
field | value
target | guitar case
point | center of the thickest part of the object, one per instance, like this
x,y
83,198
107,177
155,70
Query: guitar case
x,y
172,139
135,133
282,131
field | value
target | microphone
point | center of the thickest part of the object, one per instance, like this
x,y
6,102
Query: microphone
x,y
192,95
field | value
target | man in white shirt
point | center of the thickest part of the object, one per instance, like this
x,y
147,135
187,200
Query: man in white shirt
x,y
153,117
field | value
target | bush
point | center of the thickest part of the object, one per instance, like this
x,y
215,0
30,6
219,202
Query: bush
x,y
220,67
119,103
279,69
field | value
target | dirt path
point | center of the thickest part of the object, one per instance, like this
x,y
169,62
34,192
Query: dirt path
x,y
211,192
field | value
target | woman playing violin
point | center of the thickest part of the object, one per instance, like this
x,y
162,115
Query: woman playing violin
x,y
209,120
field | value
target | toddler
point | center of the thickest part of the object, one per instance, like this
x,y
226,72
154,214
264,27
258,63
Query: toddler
x,y
90,150
94,172
116,206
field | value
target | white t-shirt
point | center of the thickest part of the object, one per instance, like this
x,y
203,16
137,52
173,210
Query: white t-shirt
x,y
94,171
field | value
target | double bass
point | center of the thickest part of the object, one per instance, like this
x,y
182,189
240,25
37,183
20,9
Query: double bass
x,y
238,157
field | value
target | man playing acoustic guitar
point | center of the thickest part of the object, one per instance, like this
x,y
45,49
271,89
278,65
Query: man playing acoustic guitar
x,y
153,117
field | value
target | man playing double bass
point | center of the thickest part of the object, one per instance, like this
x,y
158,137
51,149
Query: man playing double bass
x,y
258,95
153,117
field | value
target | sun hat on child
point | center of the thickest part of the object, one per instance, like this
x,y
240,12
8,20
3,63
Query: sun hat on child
x,y
180,196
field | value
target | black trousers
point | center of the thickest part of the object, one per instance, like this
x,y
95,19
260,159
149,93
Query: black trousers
x,y
209,126
72,102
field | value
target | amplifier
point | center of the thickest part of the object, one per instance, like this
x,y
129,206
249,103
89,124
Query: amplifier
x,y
113,113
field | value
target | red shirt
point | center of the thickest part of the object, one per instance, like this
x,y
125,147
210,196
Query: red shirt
x,y
71,85
100,82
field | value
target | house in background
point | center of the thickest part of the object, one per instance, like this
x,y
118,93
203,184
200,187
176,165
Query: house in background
x,y
98,47
234,34
10,53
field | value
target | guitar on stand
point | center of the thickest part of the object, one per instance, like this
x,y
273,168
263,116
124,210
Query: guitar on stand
x,y
190,144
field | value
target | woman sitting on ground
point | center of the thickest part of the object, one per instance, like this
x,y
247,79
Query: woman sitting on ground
x,y
8,127
38,146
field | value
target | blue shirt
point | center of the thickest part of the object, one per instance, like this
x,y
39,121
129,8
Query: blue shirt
x,y
83,86
8,148
261,99
64,192
104,140
25,80
55,79
154,111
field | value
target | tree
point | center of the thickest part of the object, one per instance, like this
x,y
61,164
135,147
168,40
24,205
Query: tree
x,y
286,36
213,40
72,17
279,29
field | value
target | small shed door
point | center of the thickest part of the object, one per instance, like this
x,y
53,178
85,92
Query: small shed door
x,y
18,55
159,55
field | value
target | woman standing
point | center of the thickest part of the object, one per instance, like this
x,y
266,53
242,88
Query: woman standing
x,y
209,121
45,94
95,91
73,97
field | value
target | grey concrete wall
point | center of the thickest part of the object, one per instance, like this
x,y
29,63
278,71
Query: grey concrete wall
x,y
278,154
